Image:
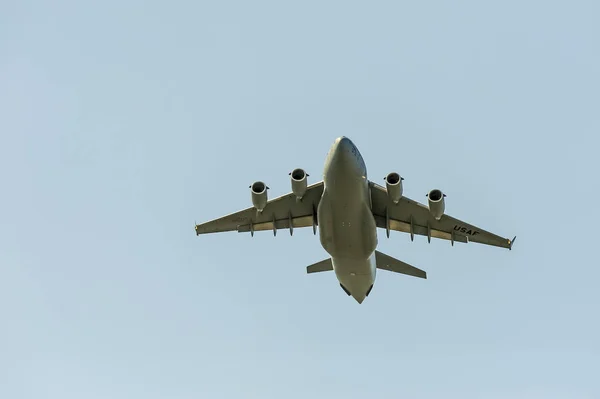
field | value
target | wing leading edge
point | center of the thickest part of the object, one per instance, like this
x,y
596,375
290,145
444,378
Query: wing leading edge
x,y
412,217
284,212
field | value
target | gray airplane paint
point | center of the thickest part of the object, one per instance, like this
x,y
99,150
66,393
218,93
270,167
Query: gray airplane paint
x,y
347,228
347,209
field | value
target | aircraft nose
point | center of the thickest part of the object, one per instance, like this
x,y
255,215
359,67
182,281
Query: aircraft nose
x,y
343,142
342,147
344,158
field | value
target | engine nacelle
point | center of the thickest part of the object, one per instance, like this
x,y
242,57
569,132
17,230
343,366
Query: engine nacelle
x,y
259,195
299,182
436,203
393,184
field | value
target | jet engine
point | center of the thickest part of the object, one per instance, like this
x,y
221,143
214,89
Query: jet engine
x,y
436,203
259,195
393,184
299,182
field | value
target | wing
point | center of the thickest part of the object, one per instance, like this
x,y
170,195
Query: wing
x,y
412,217
284,212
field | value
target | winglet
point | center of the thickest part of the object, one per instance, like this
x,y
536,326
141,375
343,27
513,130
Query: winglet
x,y
511,242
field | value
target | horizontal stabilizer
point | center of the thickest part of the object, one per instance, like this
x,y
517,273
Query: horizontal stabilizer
x,y
386,262
322,266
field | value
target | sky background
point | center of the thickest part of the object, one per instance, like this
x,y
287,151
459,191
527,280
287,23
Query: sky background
x,y
124,122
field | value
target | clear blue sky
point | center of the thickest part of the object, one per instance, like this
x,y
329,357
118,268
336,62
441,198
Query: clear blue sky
x,y
122,123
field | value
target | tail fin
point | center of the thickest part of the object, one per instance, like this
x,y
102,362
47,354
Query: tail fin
x,y
322,266
386,262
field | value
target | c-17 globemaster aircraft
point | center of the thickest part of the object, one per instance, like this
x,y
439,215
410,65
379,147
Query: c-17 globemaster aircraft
x,y
348,208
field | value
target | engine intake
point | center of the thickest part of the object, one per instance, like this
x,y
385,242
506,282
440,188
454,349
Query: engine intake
x,y
259,195
393,184
299,182
436,203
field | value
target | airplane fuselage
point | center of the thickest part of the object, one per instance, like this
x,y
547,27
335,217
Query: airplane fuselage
x,y
347,227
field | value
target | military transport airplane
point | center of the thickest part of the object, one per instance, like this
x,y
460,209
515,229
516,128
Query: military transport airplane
x,y
347,208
